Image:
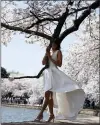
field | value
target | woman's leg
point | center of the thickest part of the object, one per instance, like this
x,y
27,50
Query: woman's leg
x,y
46,101
50,104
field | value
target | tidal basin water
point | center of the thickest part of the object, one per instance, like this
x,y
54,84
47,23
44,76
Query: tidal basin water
x,y
12,114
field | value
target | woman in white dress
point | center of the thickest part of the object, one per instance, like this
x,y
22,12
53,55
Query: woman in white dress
x,y
63,96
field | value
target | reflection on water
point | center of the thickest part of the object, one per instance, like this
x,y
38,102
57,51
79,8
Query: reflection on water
x,y
12,114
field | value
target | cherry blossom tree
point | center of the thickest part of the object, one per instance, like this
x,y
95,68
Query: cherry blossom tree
x,y
82,60
44,21
18,87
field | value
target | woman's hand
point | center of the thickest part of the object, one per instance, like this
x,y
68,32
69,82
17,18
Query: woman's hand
x,y
47,54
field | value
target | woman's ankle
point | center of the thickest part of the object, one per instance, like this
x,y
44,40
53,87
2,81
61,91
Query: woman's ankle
x,y
51,114
41,114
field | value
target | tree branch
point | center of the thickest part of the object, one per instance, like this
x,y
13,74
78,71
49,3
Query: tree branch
x,y
77,10
78,7
19,19
38,76
78,21
62,20
60,24
48,14
34,15
42,20
26,31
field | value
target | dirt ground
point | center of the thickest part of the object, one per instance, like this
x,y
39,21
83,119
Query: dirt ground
x,y
42,123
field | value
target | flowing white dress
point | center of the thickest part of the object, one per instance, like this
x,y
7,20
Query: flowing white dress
x,y
68,96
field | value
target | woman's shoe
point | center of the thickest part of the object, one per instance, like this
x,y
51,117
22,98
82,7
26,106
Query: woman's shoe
x,y
51,118
39,118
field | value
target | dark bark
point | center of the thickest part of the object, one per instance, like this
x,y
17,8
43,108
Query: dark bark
x,y
42,20
38,76
26,31
60,24
78,21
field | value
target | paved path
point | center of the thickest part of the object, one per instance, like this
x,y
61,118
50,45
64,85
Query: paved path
x,y
81,120
84,119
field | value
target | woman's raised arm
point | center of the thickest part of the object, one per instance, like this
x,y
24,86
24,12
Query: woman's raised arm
x,y
44,61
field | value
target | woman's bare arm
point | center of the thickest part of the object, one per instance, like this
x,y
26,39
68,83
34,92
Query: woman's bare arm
x,y
44,61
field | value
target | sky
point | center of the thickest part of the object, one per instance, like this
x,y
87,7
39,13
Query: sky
x,y
26,58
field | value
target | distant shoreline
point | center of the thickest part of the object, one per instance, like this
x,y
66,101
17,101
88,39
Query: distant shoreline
x,y
22,106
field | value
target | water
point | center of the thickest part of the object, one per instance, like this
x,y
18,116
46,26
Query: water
x,y
12,114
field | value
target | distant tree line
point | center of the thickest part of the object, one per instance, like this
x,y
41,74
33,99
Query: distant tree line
x,y
4,73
